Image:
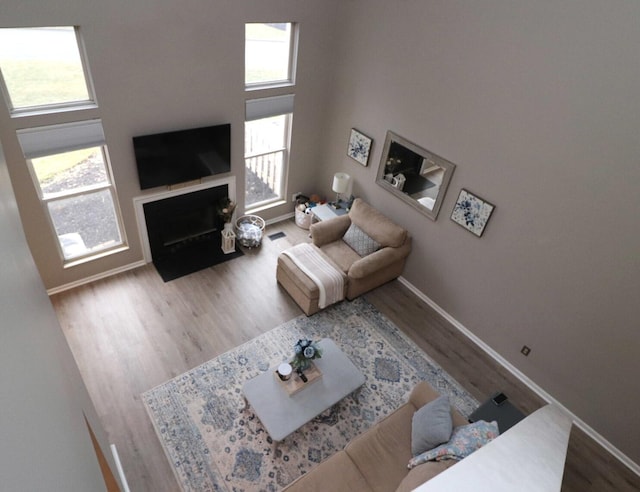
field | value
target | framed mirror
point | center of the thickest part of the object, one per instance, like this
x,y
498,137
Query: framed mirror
x,y
413,174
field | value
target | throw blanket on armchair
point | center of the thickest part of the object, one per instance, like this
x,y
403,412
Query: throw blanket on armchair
x,y
329,280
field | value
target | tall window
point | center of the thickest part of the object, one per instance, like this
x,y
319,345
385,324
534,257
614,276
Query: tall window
x,y
267,132
43,72
71,171
42,68
269,54
270,59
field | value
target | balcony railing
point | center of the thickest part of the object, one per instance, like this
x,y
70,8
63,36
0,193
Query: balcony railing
x,y
263,177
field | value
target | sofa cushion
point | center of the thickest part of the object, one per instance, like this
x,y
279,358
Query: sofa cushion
x,y
359,241
376,225
381,454
420,474
464,440
335,473
431,425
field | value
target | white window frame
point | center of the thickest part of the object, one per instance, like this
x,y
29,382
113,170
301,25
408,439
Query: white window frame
x,y
66,137
89,103
293,57
266,107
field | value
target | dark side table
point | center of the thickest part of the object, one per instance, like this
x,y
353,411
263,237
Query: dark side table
x,y
504,413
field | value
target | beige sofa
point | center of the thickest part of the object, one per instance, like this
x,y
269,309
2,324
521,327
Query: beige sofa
x,y
361,273
377,460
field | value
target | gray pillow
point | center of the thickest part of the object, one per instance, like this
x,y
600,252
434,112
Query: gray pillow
x,y
431,425
358,240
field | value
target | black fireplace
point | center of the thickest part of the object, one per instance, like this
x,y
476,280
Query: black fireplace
x,y
184,232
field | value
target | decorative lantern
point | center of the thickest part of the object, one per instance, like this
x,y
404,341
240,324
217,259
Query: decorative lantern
x,y
228,239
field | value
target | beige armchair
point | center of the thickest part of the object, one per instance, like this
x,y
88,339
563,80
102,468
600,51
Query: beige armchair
x,y
373,269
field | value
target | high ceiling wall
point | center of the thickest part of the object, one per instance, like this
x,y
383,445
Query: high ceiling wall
x,y
537,104
45,443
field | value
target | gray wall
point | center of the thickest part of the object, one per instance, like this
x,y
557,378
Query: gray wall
x,y
538,105
45,444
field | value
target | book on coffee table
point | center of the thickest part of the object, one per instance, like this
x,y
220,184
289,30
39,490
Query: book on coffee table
x,y
295,383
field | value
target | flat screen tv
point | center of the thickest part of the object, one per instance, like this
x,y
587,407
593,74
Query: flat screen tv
x,y
185,155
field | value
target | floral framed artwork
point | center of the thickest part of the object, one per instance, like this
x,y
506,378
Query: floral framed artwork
x,y
472,212
359,147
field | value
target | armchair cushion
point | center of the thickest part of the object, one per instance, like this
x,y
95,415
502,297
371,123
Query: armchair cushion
x,y
378,260
341,254
328,231
376,225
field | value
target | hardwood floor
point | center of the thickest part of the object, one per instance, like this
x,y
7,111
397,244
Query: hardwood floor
x,y
132,332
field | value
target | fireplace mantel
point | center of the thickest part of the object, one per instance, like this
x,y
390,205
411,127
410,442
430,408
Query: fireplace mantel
x,y
139,202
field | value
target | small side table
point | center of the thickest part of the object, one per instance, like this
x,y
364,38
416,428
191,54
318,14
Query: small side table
x,y
326,211
505,414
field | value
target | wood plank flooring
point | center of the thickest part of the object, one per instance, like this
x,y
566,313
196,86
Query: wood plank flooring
x,y
131,332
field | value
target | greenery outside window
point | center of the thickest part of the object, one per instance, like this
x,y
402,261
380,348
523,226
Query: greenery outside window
x,y
43,69
270,54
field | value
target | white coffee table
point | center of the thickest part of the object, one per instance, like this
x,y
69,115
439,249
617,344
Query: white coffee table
x,y
282,414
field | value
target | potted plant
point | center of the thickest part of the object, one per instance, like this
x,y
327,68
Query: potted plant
x,y
305,351
225,210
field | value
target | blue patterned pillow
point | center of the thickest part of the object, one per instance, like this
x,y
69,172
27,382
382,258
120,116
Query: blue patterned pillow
x,y
464,440
358,240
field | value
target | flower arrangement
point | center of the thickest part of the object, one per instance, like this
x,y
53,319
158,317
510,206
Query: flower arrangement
x,y
226,208
305,351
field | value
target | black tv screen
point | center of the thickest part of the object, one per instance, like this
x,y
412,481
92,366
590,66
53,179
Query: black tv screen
x,y
185,155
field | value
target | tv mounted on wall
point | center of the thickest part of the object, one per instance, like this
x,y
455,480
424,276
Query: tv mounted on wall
x,y
185,155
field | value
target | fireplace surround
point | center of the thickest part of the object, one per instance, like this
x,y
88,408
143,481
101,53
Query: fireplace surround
x,y
180,229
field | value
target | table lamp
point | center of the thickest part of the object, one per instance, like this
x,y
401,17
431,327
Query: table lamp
x,y
340,185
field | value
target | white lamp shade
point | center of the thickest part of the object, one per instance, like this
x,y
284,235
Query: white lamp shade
x,y
340,182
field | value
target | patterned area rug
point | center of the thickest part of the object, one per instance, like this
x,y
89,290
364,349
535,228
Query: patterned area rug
x,y
214,446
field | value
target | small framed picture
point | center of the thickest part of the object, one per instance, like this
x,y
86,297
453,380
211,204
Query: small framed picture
x,y
471,212
359,147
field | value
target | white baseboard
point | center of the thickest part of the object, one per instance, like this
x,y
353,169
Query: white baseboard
x,y
279,219
131,266
93,278
123,479
623,458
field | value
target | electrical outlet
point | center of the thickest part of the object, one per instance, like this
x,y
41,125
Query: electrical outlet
x,y
525,350
295,196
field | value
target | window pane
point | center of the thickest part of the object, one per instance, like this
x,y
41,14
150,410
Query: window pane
x,y
265,135
70,171
265,158
267,53
42,66
86,223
